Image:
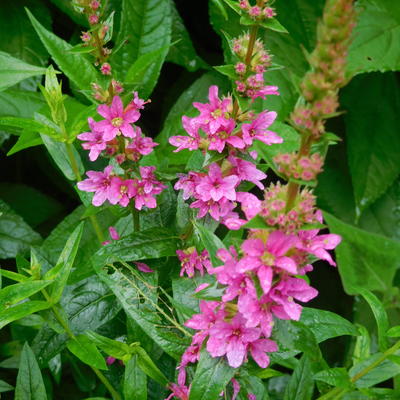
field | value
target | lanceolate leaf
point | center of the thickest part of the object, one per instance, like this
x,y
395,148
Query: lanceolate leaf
x,y
13,294
30,384
301,383
211,377
83,348
146,27
135,381
21,310
364,259
13,70
373,142
75,65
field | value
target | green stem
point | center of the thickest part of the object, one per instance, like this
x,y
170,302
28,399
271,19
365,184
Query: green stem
x,y
115,395
136,219
336,393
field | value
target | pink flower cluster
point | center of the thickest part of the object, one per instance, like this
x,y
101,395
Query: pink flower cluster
x,y
261,284
259,12
216,190
304,167
250,73
191,261
116,137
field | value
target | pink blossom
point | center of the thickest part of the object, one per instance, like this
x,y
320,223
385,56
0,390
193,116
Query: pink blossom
x,y
143,267
105,69
190,142
210,313
139,146
191,261
180,392
95,142
262,92
217,209
246,171
223,136
258,349
98,182
257,129
121,191
214,186
231,338
117,120
250,204
187,183
215,114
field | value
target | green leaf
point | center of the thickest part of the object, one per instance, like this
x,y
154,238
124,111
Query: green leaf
x,y
16,236
77,68
83,348
59,154
394,331
5,387
21,310
150,243
182,51
13,294
364,259
13,70
211,377
380,373
210,241
362,345
380,315
373,162
65,263
20,103
138,298
147,365
146,26
30,384
375,39
338,377
258,222
25,141
301,385
135,381
326,324
27,124
13,275
88,305
113,348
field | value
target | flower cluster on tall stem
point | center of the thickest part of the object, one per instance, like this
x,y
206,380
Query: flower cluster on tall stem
x,y
263,279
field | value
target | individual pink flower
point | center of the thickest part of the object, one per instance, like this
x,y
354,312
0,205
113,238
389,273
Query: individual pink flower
x,y
94,140
250,204
117,120
217,209
190,142
121,191
224,136
105,69
180,392
98,182
187,183
231,338
191,261
215,114
257,129
259,349
139,146
246,171
210,312
262,92
214,186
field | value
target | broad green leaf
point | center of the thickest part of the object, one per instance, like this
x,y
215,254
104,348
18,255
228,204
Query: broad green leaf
x,y
113,348
30,384
146,364
326,324
364,259
138,297
373,161
72,11
16,236
380,315
210,241
338,377
146,27
83,348
150,243
5,387
376,37
59,154
382,372
13,70
27,124
301,385
20,103
65,263
211,377
13,294
21,310
135,381
88,305
77,68
182,52
362,345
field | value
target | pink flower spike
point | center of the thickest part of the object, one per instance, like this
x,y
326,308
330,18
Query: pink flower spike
x,y
143,267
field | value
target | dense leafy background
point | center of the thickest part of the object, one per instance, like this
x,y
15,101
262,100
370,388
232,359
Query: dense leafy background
x,y
169,56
